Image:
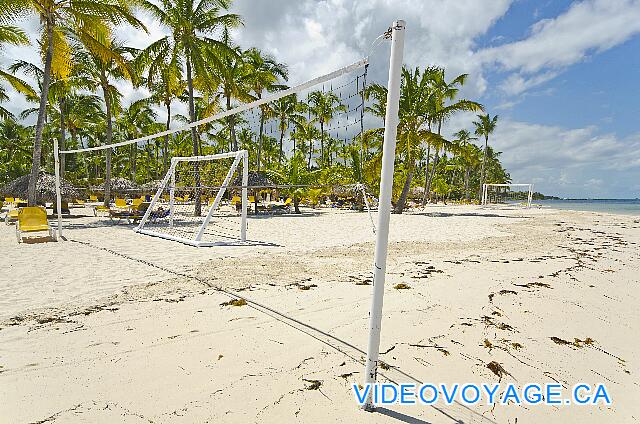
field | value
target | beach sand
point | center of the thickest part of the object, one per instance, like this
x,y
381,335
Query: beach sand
x,y
112,326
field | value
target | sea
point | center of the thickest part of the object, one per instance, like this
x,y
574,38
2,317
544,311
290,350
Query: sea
x,y
619,206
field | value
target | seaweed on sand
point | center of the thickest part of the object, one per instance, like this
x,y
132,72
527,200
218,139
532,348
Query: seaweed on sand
x,y
234,302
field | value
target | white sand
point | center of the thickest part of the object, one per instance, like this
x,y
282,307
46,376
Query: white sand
x,y
89,336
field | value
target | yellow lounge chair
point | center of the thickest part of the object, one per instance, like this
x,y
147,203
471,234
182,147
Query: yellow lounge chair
x,y
9,200
252,199
31,220
79,202
235,200
136,202
101,209
121,203
93,199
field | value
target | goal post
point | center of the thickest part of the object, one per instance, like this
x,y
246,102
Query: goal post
x,y
505,194
180,220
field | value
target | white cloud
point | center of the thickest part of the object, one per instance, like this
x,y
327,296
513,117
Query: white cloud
x,y
587,26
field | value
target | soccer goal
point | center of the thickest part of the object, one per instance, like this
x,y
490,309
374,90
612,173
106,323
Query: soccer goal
x,y
507,194
195,204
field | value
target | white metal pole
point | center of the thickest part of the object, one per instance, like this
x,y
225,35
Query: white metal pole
x,y
56,157
172,189
245,183
384,206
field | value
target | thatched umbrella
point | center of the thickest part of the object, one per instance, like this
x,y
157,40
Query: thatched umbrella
x,y
256,179
120,185
45,188
152,186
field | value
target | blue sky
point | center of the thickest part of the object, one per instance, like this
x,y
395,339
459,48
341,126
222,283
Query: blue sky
x,y
564,76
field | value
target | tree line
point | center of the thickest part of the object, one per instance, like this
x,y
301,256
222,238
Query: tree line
x,y
76,101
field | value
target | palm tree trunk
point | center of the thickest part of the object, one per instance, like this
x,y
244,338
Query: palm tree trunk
x,y
134,148
107,177
232,126
165,154
467,195
426,176
194,140
37,144
296,204
63,135
293,138
405,191
310,152
282,130
432,174
261,131
484,161
321,144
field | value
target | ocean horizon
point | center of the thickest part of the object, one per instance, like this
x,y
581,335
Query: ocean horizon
x,y
617,206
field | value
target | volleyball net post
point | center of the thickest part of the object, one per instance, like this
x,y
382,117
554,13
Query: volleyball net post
x,y
384,205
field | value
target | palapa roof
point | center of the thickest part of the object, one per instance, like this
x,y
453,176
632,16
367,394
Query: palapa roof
x,y
120,184
152,185
256,179
45,188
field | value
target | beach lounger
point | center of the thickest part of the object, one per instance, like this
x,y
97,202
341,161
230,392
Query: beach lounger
x,y
32,220
134,214
121,204
64,208
281,207
136,203
93,199
100,209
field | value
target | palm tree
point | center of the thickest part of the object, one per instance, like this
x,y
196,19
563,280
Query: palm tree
x,y
164,80
287,110
305,132
133,122
264,75
15,149
88,23
100,71
17,37
440,111
468,153
324,106
83,114
296,175
485,125
231,73
192,23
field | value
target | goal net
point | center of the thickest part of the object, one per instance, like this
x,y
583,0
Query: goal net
x,y
195,203
507,194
